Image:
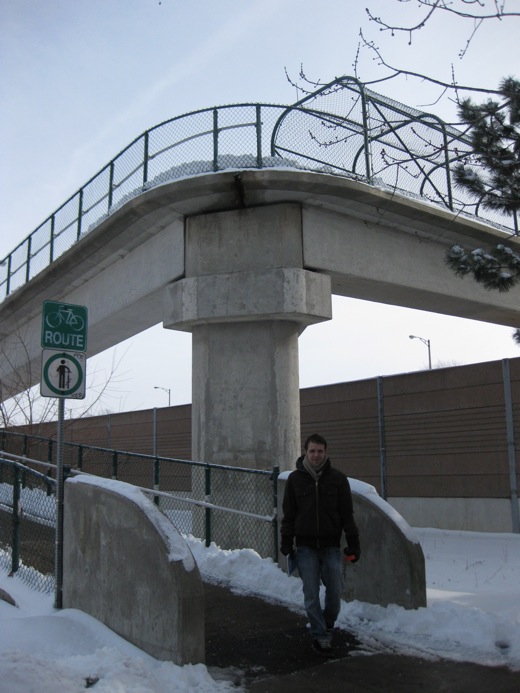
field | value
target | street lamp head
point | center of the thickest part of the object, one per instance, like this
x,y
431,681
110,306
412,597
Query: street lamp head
x,y
427,343
164,389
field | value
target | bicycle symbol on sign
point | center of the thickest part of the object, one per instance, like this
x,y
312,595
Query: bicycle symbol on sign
x,y
65,316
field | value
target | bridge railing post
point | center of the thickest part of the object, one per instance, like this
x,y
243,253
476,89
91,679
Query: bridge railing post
x,y
258,127
215,139
145,157
80,212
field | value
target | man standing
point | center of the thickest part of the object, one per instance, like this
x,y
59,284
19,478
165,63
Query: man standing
x,y
317,508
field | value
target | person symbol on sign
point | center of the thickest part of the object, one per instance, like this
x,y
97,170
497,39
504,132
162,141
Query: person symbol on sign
x,y
64,375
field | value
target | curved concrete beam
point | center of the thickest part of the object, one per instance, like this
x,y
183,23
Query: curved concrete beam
x,y
125,564
350,230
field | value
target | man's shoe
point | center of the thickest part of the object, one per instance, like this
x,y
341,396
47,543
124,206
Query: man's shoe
x,y
329,626
323,647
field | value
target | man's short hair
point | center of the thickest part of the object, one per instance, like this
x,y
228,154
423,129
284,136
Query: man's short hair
x,y
315,438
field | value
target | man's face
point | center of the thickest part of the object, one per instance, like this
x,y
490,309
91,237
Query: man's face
x,y
316,454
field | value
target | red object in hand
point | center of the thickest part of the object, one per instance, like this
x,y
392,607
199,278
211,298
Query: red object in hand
x,y
350,557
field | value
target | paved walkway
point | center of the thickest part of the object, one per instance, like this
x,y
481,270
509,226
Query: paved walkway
x,y
265,647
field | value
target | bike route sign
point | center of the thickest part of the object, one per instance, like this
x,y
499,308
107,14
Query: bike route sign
x,y
64,326
63,374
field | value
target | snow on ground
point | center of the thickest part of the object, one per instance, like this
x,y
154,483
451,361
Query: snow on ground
x,y
473,615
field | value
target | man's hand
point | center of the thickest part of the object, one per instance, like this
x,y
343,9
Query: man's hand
x,y
287,546
352,550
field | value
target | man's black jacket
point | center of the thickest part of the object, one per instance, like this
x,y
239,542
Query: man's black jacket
x,y
316,512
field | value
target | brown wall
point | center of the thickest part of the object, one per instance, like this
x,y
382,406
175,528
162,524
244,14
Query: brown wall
x,y
445,430
133,431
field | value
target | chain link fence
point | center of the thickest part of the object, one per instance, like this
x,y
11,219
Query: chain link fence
x,y
352,130
27,524
231,506
342,129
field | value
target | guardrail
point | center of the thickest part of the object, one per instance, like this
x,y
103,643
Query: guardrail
x,y
341,129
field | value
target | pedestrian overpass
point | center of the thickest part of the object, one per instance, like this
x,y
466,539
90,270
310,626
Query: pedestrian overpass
x,y
238,223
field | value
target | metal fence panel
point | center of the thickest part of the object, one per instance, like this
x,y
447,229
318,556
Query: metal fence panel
x,y
27,525
233,507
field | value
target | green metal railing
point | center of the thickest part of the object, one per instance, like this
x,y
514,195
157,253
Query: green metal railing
x,y
342,129
27,524
197,497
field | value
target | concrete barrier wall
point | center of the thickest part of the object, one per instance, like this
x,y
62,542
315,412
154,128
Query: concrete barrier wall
x,y
465,514
125,564
391,569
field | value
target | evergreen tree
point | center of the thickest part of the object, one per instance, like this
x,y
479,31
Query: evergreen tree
x,y
497,269
493,175
493,178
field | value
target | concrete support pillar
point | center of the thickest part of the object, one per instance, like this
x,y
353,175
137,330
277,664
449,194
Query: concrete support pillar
x,y
246,298
246,393
246,406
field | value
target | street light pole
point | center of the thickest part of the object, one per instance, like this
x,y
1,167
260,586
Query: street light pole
x,y
166,389
427,342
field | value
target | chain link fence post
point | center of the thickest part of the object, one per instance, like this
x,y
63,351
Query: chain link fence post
x,y
114,464
207,498
156,478
15,558
276,474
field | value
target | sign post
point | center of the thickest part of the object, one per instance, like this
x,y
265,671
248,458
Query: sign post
x,y
64,343
58,542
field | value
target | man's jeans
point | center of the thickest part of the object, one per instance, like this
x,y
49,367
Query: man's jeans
x,y
324,564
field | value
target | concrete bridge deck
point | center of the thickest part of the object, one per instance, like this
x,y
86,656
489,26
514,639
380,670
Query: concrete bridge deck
x,y
245,260
374,245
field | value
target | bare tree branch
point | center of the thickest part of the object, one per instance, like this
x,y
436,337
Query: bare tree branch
x,y
477,26
443,6
396,71
409,30
21,402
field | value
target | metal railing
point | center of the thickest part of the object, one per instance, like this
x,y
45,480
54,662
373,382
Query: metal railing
x,y
27,524
197,497
342,129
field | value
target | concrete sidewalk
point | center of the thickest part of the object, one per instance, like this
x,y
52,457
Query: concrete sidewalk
x,y
265,647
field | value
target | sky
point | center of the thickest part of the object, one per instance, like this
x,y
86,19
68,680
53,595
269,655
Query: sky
x,y
473,615
82,80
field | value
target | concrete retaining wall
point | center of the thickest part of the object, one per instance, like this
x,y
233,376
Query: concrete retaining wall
x,y
391,569
125,564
